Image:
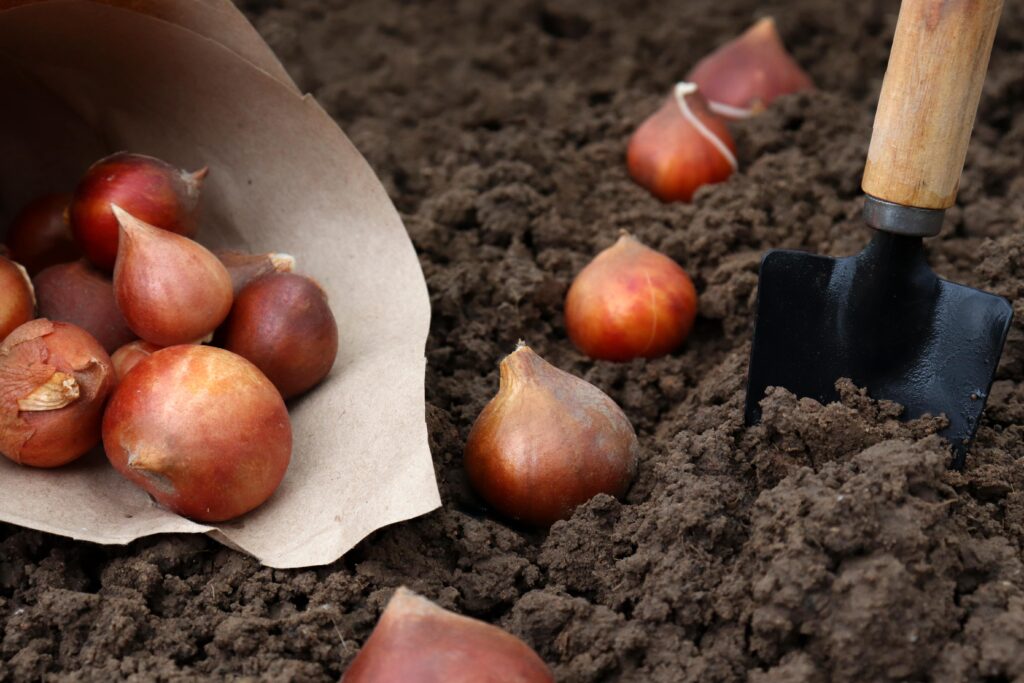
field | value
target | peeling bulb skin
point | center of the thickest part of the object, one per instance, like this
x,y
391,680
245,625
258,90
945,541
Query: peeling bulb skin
x,y
245,267
742,77
548,442
79,294
54,382
40,235
201,430
630,302
170,289
129,355
283,324
149,189
681,147
17,297
416,641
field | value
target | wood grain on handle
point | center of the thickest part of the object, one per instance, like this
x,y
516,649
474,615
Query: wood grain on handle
x,y
929,99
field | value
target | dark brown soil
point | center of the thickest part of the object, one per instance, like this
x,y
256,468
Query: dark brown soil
x,y
830,543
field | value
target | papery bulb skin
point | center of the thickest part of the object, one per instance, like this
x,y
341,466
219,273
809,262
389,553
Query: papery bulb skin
x,y
17,297
630,302
79,294
245,267
416,641
54,382
283,324
40,236
681,147
152,190
201,430
170,289
548,442
129,355
742,77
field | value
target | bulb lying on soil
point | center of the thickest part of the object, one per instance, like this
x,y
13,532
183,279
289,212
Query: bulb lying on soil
x,y
416,641
630,302
681,147
744,76
547,442
54,381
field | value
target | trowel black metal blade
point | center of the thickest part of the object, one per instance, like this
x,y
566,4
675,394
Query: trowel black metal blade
x,y
883,319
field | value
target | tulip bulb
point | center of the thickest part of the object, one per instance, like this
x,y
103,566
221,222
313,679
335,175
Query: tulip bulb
x,y
742,77
148,188
170,289
547,442
630,302
284,326
129,355
201,430
681,147
79,294
17,297
245,267
54,382
416,641
40,235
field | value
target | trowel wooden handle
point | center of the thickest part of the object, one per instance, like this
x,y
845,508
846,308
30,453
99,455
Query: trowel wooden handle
x,y
929,99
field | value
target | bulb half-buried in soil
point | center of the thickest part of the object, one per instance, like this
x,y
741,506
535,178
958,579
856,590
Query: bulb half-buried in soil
x,y
547,442
681,147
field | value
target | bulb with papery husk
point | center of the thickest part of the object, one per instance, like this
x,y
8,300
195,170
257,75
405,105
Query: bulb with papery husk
x,y
54,382
681,148
245,267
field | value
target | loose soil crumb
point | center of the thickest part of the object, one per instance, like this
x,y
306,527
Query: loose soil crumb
x,y
830,543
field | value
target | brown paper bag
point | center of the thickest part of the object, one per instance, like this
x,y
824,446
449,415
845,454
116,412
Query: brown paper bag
x,y
191,81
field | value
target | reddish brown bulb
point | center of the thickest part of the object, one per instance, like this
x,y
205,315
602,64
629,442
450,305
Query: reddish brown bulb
x,y
201,430
744,76
416,641
681,147
283,324
245,267
77,293
54,381
40,235
17,298
630,302
129,355
149,189
547,442
170,289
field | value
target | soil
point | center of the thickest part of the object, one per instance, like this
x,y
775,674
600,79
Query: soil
x,y
828,543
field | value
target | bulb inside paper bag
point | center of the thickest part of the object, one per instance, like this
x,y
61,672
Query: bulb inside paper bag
x,y
194,84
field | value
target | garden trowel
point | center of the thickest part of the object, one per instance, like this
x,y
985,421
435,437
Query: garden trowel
x,y
882,318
